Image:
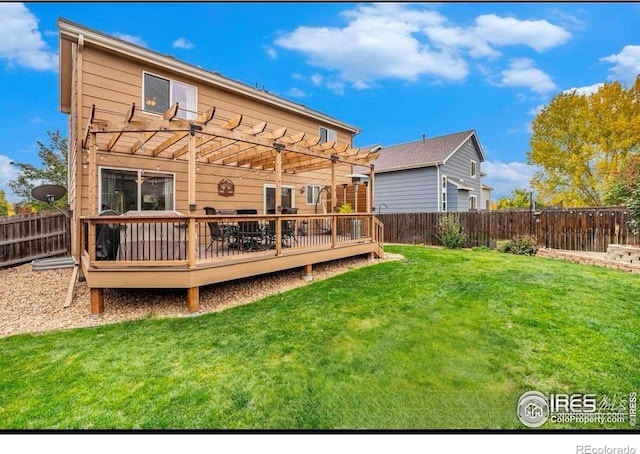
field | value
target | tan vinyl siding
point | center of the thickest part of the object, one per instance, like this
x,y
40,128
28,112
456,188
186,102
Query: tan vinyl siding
x,y
112,83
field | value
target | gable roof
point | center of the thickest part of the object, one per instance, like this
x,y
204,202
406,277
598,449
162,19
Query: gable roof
x,y
71,32
424,152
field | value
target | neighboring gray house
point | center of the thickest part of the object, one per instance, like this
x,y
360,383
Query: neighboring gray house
x,y
436,174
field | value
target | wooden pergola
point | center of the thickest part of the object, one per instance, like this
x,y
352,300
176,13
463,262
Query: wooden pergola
x,y
226,142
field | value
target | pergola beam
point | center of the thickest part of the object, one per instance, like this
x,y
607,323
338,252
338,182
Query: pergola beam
x,y
92,113
259,159
203,118
246,156
226,136
127,118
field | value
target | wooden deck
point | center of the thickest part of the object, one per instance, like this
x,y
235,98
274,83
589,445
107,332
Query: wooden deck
x,y
148,250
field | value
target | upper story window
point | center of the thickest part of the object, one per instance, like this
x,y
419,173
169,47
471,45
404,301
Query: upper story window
x,y
327,135
159,94
474,168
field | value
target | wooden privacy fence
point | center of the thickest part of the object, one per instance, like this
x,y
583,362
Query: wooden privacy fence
x,y
579,229
37,235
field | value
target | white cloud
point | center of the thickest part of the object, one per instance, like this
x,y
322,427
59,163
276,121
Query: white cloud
x,y
182,43
21,42
505,177
131,38
317,79
584,91
458,37
271,52
409,41
522,73
297,93
508,31
626,64
336,87
537,109
380,41
7,173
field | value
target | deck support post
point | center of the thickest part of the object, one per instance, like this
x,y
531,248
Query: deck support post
x,y
97,300
193,299
307,275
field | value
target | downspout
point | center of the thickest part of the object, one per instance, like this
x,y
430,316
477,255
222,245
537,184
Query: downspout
x,y
438,189
77,71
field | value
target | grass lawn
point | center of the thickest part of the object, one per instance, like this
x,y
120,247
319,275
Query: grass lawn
x,y
441,339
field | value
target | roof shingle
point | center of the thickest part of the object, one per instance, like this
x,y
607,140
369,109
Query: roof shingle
x,y
420,153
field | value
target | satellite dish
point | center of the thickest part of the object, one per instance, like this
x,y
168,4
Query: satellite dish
x,y
48,192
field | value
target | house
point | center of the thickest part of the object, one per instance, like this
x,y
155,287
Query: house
x,y
432,174
153,141
485,198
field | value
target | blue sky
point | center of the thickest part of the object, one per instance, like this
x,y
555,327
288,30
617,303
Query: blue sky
x,y
395,70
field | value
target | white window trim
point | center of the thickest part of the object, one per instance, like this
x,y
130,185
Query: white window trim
x,y
312,186
139,197
330,133
187,113
473,170
285,186
444,182
473,197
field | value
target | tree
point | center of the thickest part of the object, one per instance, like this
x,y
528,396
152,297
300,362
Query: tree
x,y
4,205
53,170
579,141
626,189
520,198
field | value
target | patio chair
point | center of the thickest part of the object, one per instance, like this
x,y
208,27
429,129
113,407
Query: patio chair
x,y
221,234
289,227
107,238
251,235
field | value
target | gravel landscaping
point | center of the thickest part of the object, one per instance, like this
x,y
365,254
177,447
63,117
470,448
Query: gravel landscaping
x,y
32,301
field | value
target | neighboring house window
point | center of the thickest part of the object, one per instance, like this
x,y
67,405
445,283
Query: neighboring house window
x,y
473,202
444,193
327,135
125,190
474,168
159,94
313,192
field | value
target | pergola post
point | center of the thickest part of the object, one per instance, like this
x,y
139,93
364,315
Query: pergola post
x,y
93,174
192,167
278,201
334,220
371,184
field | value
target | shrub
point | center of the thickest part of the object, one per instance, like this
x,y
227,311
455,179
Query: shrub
x,y
450,232
345,208
520,244
503,245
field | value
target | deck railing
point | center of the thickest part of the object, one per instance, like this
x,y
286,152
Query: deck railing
x,y
190,241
